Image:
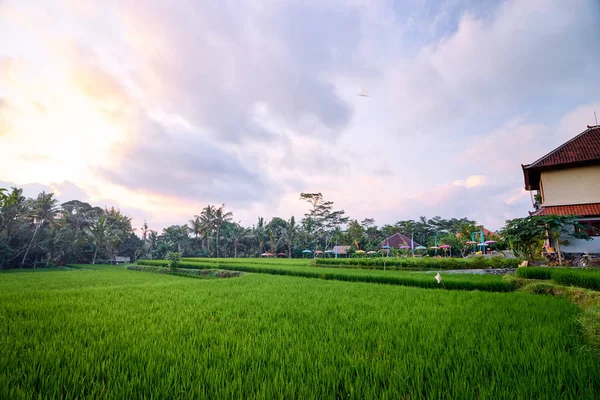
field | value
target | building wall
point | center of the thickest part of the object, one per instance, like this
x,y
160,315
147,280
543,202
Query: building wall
x,y
571,186
580,245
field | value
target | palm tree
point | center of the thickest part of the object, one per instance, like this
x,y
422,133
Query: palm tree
x,y
102,234
145,231
196,226
44,210
259,232
220,216
207,218
237,233
153,239
288,234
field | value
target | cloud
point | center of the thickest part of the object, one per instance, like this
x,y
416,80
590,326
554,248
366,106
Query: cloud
x,y
173,164
504,149
500,63
471,181
577,121
215,63
172,106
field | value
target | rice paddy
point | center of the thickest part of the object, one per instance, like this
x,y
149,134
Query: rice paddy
x,y
115,333
491,283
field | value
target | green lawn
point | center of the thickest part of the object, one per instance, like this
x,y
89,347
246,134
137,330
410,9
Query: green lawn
x,y
114,333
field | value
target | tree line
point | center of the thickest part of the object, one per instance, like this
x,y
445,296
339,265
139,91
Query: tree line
x,y
41,232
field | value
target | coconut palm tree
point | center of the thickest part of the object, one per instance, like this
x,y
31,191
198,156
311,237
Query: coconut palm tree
x,y
43,211
220,216
259,233
102,233
207,217
288,234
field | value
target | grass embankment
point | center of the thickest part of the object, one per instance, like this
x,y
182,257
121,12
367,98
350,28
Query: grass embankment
x,y
491,283
422,263
115,333
194,273
299,262
589,279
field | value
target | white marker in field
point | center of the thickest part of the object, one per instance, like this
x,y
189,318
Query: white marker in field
x,y
438,278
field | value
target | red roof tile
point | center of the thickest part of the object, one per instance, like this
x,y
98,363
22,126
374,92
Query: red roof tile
x,y
582,210
582,148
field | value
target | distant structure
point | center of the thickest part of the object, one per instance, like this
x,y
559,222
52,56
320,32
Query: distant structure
x,y
341,250
397,240
120,260
566,181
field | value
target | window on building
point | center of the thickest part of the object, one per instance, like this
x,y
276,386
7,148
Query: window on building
x,y
591,227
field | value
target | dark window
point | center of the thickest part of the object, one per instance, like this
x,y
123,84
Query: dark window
x,y
591,227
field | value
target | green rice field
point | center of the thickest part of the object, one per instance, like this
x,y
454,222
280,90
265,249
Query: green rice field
x,y
491,283
108,332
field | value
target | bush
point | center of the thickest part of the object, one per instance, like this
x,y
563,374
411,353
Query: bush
x,y
174,259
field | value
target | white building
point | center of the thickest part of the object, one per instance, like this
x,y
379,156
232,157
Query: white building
x,y
566,181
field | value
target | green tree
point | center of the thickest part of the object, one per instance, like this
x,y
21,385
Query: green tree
x,y
44,211
288,234
559,225
527,234
102,234
220,216
259,232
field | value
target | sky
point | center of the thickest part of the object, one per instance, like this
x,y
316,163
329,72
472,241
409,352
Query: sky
x,y
161,108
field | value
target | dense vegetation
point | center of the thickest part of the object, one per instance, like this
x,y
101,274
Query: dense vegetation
x,y
492,283
41,232
589,279
113,333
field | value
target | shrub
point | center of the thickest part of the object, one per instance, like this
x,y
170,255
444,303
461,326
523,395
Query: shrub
x,y
174,259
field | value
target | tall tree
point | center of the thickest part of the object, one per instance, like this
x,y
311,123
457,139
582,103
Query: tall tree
x,y
207,217
44,211
102,234
220,217
288,234
259,233
323,219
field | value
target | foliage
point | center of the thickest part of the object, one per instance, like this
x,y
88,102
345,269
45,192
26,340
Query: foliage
x,y
38,231
122,334
174,259
526,235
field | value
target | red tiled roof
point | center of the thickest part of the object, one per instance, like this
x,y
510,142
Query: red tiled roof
x,y
582,210
582,148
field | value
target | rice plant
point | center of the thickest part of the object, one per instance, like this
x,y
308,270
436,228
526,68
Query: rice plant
x,y
492,283
122,334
